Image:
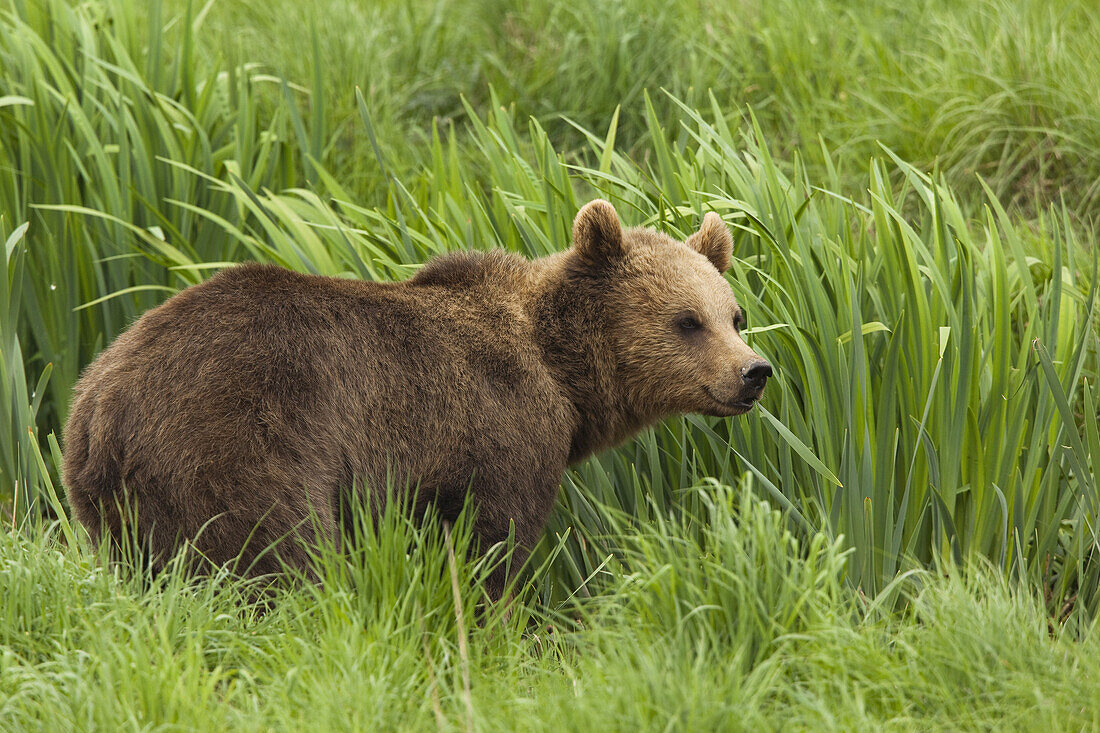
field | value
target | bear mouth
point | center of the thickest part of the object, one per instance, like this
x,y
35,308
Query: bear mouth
x,y
740,406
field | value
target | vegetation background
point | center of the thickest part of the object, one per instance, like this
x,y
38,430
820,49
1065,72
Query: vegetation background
x,y
905,536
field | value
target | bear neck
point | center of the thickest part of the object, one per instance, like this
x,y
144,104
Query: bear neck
x,y
570,320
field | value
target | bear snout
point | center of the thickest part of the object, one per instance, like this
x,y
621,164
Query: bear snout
x,y
755,375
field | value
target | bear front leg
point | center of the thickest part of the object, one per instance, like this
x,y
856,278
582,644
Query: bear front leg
x,y
489,532
494,524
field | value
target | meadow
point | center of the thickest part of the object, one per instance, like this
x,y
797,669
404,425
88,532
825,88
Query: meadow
x,y
904,536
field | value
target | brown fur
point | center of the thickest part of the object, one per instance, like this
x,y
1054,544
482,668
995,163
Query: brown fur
x,y
245,403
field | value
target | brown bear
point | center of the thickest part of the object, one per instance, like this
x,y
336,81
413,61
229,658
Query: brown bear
x,y
236,417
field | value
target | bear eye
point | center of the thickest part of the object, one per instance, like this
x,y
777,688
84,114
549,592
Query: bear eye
x,y
688,323
739,319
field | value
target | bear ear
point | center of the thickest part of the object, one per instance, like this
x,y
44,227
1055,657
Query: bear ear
x,y
714,241
597,233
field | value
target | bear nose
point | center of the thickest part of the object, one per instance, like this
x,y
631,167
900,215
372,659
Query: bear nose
x,y
756,375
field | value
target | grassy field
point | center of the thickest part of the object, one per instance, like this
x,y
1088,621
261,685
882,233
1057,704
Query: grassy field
x,y
727,624
905,535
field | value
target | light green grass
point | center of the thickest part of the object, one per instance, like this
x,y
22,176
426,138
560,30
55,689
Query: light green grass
x,y
727,623
1000,88
931,433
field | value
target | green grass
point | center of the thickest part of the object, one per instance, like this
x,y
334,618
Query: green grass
x,y
1000,88
732,624
931,435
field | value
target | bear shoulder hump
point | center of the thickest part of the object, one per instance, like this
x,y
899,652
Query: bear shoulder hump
x,y
465,269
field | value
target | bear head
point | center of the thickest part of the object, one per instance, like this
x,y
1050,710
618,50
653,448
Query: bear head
x,y
675,323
